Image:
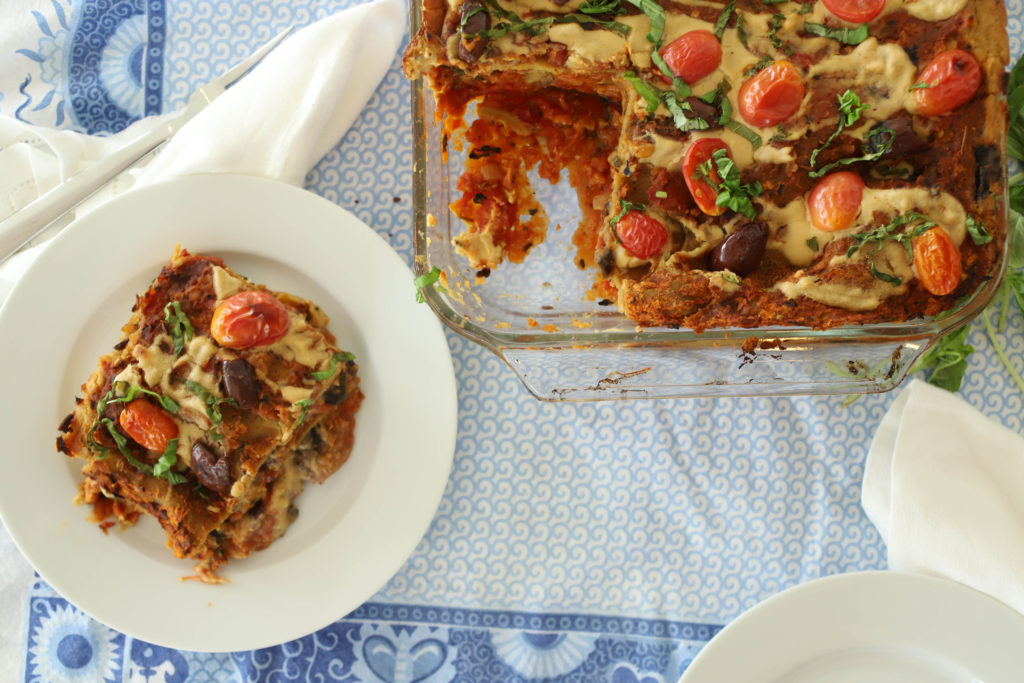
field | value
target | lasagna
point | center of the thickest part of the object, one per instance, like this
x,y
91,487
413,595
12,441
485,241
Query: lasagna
x,y
749,163
220,401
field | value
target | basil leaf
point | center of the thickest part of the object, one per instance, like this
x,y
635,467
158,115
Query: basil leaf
x,y
344,356
850,108
947,360
181,328
884,277
679,116
736,127
679,86
976,229
600,7
167,460
731,193
846,36
1016,256
625,206
650,94
656,13
879,145
212,402
426,280
723,19
168,404
920,86
812,244
303,405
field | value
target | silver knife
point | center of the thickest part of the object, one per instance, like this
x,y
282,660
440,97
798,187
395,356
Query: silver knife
x,y
19,228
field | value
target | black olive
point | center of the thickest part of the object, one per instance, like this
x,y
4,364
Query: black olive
x,y
742,250
210,468
240,382
474,19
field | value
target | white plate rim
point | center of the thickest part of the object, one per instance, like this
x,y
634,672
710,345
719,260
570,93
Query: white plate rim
x,y
890,612
405,431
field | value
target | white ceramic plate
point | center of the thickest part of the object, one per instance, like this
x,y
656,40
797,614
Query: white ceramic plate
x,y
353,532
882,627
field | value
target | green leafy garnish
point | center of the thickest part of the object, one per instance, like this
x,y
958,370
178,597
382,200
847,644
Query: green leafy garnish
x,y
920,86
303,406
850,108
729,276
131,391
890,231
732,194
600,7
806,8
650,94
163,466
212,406
718,99
774,25
846,36
425,280
181,328
723,18
510,22
680,118
340,357
883,276
976,229
878,145
812,244
762,63
656,13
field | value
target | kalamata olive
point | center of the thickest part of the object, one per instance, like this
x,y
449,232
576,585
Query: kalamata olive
x,y
336,394
240,382
742,250
210,468
474,19
900,130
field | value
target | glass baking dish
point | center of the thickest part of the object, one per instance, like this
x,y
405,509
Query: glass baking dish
x,y
537,318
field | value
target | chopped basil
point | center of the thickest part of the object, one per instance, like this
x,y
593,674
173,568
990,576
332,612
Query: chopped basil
x,y
774,25
114,396
736,127
741,30
625,206
806,8
167,460
723,18
303,406
812,244
341,357
425,280
878,145
656,13
212,405
947,360
889,232
846,36
885,277
731,193
600,7
645,90
679,86
762,63
512,23
976,229
661,194
181,328
729,276
679,116
850,108
921,86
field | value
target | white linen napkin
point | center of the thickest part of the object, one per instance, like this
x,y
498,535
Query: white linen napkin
x,y
276,122
945,487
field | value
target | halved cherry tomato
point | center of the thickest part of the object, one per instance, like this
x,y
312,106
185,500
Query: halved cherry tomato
x,y
937,261
703,193
953,77
772,95
693,55
247,319
148,425
835,201
856,11
641,235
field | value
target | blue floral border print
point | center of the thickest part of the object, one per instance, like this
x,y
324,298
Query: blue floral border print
x,y
103,65
379,643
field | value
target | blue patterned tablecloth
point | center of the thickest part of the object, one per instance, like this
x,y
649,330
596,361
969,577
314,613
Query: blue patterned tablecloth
x,y
575,542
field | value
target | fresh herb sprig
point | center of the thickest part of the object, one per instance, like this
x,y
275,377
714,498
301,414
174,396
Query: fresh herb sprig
x,y
846,36
850,108
428,279
181,327
731,193
340,357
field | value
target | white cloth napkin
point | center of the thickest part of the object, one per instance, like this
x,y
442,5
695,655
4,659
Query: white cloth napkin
x,y
276,122
945,487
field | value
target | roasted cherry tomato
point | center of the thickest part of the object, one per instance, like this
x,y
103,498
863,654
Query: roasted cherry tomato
x,y
855,11
693,55
148,425
641,235
835,201
248,319
703,193
772,95
952,77
937,261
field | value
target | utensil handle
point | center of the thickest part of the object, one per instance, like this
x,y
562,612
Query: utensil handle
x,y
25,224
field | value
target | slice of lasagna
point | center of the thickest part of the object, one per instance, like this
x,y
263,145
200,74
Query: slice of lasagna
x,y
220,401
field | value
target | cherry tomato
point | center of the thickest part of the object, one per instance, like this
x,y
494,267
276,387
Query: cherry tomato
x,y
772,95
703,193
248,319
855,11
953,76
937,260
641,235
693,55
835,201
148,425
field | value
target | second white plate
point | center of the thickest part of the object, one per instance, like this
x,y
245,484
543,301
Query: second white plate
x,y
353,532
882,627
